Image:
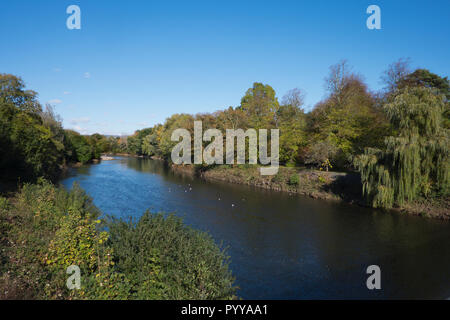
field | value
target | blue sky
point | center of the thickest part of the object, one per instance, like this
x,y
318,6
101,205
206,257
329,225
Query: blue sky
x,y
134,63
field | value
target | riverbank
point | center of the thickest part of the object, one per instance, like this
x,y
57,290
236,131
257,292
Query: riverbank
x,y
315,184
335,186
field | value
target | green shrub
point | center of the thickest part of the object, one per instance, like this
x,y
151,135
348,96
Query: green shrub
x,y
294,180
165,259
45,229
321,179
278,178
291,164
3,204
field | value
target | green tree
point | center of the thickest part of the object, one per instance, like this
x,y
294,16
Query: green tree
x,y
98,144
150,145
12,92
31,140
415,162
81,149
177,121
291,121
231,118
113,145
348,118
427,79
260,105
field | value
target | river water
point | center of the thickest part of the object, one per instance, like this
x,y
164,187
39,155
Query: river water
x,y
284,246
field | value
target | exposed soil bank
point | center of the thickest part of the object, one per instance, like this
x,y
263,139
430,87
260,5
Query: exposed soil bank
x,y
335,186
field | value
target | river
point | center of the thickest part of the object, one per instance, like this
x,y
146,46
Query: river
x,y
284,246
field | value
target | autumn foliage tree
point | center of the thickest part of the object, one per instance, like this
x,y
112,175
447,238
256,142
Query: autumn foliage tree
x,y
348,118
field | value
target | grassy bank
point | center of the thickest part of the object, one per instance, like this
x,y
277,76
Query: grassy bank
x,y
313,183
337,186
45,229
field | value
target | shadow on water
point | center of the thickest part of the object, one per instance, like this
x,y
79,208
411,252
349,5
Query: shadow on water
x,y
284,246
347,187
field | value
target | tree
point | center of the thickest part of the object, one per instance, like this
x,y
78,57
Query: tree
x,y
338,77
291,122
348,118
81,149
260,105
31,141
177,121
150,145
113,145
427,79
134,144
320,154
395,73
12,91
294,97
98,144
416,162
231,118
35,151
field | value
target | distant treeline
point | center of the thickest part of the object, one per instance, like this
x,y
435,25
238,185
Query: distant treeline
x,y
397,138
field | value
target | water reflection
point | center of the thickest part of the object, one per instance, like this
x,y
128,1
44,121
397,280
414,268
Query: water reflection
x,y
284,246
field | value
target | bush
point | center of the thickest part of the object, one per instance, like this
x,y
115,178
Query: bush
x,y
165,259
45,229
278,178
294,180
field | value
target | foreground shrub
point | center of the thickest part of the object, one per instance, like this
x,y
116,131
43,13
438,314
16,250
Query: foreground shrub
x,y
164,258
45,229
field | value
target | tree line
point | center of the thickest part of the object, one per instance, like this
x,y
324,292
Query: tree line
x,y
33,142
397,138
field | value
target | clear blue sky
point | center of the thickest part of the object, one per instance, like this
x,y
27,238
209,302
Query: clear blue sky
x,y
134,63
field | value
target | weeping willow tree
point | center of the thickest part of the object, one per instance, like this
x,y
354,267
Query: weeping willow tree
x,y
415,162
